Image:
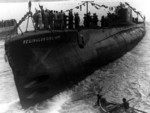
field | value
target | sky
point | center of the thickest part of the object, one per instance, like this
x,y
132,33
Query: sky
x,y
17,8
4,1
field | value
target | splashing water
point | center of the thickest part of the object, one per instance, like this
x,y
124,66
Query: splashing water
x,y
53,105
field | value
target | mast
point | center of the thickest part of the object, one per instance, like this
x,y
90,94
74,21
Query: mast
x,y
87,5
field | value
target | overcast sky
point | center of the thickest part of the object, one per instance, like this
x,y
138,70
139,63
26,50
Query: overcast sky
x,y
28,0
141,5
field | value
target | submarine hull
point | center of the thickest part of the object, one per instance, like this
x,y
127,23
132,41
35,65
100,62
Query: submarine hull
x,y
45,63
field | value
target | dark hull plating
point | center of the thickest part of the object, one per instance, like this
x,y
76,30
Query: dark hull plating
x,y
47,62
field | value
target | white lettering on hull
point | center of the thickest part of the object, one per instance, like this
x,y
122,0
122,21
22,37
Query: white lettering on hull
x,y
37,40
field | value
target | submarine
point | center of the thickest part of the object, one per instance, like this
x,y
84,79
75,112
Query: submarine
x,y
46,62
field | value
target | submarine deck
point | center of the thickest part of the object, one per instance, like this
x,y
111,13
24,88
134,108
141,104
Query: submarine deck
x,y
52,32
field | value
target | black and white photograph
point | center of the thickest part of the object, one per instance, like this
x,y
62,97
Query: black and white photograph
x,y
74,56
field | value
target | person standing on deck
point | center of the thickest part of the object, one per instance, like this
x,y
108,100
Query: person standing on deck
x,y
102,21
35,18
39,15
61,20
51,18
70,20
95,20
65,20
58,20
46,21
77,21
99,97
85,20
54,21
42,12
89,20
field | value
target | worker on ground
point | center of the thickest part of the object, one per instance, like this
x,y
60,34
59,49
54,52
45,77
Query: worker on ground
x,y
125,105
144,19
99,97
11,22
1,23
